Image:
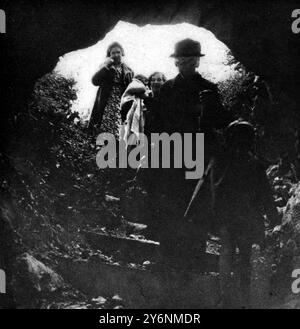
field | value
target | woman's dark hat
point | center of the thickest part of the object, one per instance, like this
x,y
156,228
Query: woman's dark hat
x,y
187,48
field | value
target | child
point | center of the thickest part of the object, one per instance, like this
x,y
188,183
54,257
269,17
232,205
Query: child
x,y
242,196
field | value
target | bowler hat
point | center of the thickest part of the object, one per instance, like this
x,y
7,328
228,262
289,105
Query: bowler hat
x,y
187,48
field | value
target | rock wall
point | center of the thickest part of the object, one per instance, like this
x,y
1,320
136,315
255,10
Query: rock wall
x,y
288,254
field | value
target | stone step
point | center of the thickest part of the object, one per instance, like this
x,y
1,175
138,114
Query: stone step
x,y
136,250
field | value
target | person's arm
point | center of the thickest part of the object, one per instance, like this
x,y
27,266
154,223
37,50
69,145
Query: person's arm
x,y
103,73
128,78
214,111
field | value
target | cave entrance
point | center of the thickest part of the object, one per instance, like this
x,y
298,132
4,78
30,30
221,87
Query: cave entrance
x,y
148,49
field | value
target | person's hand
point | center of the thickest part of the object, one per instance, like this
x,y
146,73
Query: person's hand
x,y
108,62
207,97
147,94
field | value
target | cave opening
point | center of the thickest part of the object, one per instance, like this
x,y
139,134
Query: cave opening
x,y
148,48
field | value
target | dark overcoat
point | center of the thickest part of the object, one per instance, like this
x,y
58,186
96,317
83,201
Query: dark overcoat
x,y
104,78
179,98
179,112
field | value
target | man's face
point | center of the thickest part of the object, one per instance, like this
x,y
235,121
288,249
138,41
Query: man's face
x,y
187,65
116,55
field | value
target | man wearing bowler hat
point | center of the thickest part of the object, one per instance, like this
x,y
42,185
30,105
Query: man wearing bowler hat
x,y
188,104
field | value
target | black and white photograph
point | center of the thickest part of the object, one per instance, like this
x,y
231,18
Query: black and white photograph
x,y
150,157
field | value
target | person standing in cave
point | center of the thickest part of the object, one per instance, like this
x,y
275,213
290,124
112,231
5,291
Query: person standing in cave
x,y
113,77
187,104
242,196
